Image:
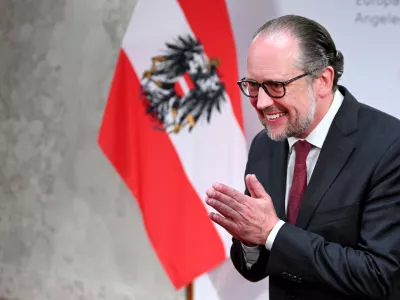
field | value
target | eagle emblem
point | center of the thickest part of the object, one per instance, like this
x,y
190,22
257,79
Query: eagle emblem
x,y
182,86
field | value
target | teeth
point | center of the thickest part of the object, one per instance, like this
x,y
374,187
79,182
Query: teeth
x,y
272,117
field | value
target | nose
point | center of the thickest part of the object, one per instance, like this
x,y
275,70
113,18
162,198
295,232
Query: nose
x,y
263,100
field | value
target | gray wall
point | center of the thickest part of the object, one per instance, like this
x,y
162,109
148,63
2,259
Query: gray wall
x,y
69,228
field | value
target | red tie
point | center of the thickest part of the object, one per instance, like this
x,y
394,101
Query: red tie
x,y
299,183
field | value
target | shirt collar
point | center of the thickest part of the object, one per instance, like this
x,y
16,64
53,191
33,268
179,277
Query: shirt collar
x,y
318,135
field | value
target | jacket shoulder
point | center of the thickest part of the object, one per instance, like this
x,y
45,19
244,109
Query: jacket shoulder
x,y
376,124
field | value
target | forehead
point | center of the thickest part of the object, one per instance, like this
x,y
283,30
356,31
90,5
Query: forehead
x,y
272,57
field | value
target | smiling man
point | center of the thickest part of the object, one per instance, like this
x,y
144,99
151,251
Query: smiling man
x,y
321,212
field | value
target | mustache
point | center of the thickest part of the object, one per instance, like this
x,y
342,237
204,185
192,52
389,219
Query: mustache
x,y
274,109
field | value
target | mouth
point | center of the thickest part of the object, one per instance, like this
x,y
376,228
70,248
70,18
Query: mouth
x,y
275,116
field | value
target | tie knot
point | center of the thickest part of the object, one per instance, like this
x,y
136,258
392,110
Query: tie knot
x,y
302,149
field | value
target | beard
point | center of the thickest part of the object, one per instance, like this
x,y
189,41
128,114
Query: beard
x,y
299,125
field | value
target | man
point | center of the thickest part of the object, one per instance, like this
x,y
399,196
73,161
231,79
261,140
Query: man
x,y
321,212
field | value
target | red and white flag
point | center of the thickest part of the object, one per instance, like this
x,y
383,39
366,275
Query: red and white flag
x,y
173,125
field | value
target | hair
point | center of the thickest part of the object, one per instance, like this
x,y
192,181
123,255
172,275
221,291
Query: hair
x,y
317,48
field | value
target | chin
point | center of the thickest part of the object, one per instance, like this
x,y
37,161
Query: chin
x,y
276,135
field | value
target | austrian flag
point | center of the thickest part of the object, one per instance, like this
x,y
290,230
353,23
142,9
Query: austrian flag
x,y
173,125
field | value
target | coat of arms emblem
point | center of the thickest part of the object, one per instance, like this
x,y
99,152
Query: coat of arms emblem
x,y
182,86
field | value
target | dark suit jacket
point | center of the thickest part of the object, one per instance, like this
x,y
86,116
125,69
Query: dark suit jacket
x,y
346,243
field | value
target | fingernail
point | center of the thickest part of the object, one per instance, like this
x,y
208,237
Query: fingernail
x,y
216,185
210,193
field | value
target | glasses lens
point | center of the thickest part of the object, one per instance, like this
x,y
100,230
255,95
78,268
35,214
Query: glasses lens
x,y
249,88
275,89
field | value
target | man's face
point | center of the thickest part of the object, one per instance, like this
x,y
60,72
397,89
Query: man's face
x,y
273,58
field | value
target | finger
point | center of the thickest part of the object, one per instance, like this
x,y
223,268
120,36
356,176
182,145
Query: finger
x,y
256,187
228,224
229,201
249,187
222,208
230,192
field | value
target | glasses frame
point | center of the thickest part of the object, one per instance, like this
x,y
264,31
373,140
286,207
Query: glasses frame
x,y
262,84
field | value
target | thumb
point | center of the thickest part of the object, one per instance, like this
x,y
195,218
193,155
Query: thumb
x,y
255,187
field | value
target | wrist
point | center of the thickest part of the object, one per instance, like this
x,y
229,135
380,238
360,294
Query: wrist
x,y
269,230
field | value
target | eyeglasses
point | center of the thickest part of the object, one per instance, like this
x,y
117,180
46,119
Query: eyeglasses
x,y
273,88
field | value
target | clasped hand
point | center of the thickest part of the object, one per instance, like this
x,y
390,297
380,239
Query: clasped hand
x,y
249,219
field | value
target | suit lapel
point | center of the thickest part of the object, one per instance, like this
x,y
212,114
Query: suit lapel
x,y
331,160
277,178
337,148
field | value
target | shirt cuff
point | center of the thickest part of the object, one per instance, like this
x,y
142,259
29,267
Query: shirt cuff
x,y
251,254
272,235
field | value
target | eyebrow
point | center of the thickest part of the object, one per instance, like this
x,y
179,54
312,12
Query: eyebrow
x,y
264,80
284,77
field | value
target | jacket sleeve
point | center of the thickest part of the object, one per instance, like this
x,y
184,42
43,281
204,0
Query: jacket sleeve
x,y
258,270
368,270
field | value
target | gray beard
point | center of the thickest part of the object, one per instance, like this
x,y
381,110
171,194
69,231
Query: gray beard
x,y
299,126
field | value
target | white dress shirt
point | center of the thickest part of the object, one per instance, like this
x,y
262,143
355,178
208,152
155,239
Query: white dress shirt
x,y
316,138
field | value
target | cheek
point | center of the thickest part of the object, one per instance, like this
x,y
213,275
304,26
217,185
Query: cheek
x,y
253,102
292,114
294,108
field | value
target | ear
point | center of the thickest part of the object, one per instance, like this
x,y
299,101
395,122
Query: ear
x,y
325,82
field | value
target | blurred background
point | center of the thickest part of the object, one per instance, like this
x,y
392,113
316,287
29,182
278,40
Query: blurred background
x,y
69,227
